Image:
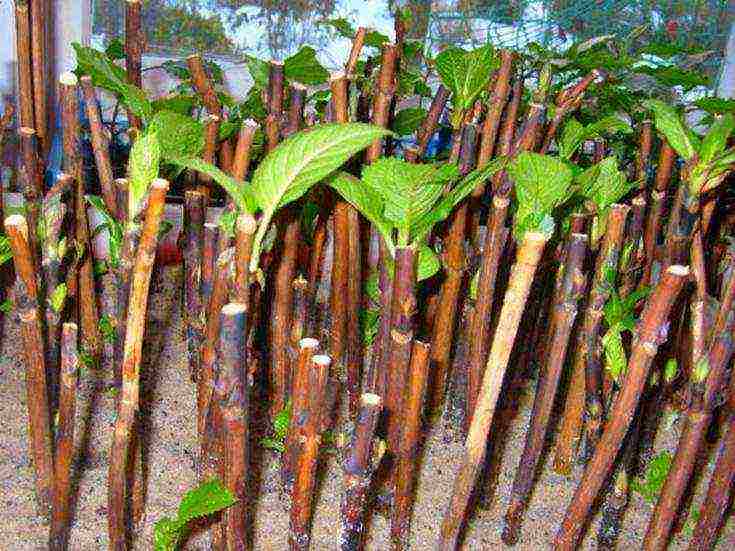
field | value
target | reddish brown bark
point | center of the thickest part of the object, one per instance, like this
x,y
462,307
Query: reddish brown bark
x,y
203,85
243,149
382,98
430,123
194,214
651,333
23,55
666,159
357,43
134,40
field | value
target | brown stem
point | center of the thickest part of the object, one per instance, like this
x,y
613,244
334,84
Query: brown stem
x,y
32,185
400,528
358,466
100,146
307,428
357,43
507,131
718,493
651,332
64,439
455,264
26,304
429,124
23,55
385,88
209,257
243,149
134,50
354,301
295,119
403,308
573,283
666,159
132,357
244,231
39,45
376,379
275,105
479,345
631,270
194,215
588,350
519,286
203,85
73,165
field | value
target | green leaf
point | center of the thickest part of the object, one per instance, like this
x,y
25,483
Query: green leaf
x,y
375,39
444,207
572,137
206,499
259,70
466,74
143,165
115,49
616,361
669,123
670,370
58,297
6,306
304,67
655,476
427,263
111,224
282,421
369,322
273,444
6,253
671,75
107,329
300,162
372,287
604,184
176,69
716,106
105,74
342,26
408,120
179,103
166,534
715,140
541,184
178,135
240,194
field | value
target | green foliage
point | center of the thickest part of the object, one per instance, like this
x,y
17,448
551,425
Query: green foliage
x,y
6,253
542,184
111,225
575,133
620,317
466,75
654,478
303,67
603,184
107,329
715,106
204,500
178,135
670,370
58,297
408,120
300,162
143,165
669,123
671,75
369,323
281,423
701,370
106,74
6,306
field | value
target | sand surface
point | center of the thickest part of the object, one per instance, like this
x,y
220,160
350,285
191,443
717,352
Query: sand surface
x,y
171,450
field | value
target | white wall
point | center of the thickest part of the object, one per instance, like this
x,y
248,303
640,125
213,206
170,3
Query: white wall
x,y
7,48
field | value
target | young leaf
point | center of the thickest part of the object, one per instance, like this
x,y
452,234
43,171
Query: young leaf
x,y
572,137
342,26
369,321
259,70
166,534
408,120
111,224
466,74
179,135
616,361
304,67
204,500
6,253
427,263
300,162
366,200
143,165
669,124
58,297
541,184
603,184
715,140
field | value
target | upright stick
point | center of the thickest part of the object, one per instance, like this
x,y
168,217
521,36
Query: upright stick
x,y
651,333
132,357
134,50
23,55
194,216
26,304
64,439
519,286
39,45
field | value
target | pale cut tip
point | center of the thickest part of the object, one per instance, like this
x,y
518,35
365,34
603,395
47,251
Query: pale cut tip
x,y
250,124
68,78
580,236
160,183
639,201
234,308
26,131
337,75
211,226
277,62
308,342
15,220
536,236
212,118
299,86
246,223
322,359
678,270
370,399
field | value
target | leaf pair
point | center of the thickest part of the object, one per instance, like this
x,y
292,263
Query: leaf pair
x,y
110,224
301,67
620,317
575,133
208,498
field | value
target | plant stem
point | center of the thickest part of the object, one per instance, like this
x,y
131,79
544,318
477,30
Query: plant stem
x,y
519,285
357,43
134,41
354,299
73,165
100,146
358,466
39,45
243,149
32,186
588,350
194,216
203,85
572,285
275,105
400,528
295,119
25,79
64,439
26,304
245,228
308,438
651,332
429,124
130,394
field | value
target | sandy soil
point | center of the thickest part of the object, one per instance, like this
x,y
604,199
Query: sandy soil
x,y
171,451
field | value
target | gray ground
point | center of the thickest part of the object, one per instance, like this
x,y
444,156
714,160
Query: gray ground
x,y
172,448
